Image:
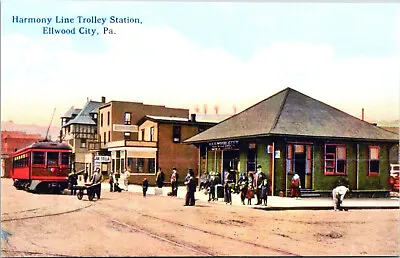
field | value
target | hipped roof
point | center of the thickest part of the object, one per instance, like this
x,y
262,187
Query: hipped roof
x,y
291,113
84,117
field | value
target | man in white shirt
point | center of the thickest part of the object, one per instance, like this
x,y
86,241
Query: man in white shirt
x,y
96,182
338,194
126,178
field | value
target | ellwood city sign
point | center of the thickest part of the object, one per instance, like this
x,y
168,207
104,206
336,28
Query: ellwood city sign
x,y
224,145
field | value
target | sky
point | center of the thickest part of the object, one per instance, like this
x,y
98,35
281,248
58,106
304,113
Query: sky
x,y
191,54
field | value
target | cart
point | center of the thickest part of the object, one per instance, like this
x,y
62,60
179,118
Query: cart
x,y
88,188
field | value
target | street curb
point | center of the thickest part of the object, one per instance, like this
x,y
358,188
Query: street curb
x,y
326,208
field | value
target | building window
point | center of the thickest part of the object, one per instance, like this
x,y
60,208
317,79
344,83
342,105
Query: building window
x,y
140,165
335,159
101,119
151,133
104,138
127,135
143,134
176,133
108,118
373,166
83,143
127,118
152,165
109,136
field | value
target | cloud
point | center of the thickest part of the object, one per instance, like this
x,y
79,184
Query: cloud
x,y
157,65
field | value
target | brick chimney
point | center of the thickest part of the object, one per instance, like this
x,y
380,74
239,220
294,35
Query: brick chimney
x,y
193,117
103,99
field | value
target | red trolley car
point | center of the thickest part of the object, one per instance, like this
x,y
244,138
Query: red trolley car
x,y
41,166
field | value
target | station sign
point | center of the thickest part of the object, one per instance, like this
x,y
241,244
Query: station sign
x,y
224,145
102,159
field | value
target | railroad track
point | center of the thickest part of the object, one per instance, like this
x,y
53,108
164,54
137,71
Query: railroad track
x,y
187,226
169,240
164,239
23,253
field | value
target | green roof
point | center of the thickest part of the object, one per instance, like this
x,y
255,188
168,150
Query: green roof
x,y
291,113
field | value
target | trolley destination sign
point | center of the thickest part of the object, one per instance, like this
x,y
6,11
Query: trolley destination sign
x,y
224,145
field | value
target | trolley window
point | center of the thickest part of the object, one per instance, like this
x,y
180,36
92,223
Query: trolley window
x,y
52,158
65,158
38,158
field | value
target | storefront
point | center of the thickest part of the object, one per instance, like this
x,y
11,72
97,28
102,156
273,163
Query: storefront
x,y
139,159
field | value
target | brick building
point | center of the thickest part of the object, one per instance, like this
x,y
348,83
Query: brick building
x,y
159,145
10,141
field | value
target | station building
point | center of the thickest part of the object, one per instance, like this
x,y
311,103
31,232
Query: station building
x,y
289,133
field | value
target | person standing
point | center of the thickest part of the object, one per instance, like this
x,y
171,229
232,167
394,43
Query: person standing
x,y
295,186
85,176
243,191
111,181
145,186
127,174
264,191
228,188
257,183
213,182
96,182
190,188
174,182
338,194
249,194
160,178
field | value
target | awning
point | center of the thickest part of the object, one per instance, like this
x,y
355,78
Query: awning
x,y
136,152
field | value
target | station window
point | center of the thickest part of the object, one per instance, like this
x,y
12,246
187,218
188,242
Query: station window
x,y
373,166
38,158
335,159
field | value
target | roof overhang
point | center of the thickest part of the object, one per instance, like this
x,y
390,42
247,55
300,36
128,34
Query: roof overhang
x,y
251,137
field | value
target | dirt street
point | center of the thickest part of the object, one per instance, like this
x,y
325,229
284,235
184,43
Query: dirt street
x,y
126,224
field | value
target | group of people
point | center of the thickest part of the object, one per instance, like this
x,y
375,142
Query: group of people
x,y
114,178
255,185
94,182
190,182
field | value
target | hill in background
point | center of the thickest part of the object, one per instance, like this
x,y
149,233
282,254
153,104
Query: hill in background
x,y
54,131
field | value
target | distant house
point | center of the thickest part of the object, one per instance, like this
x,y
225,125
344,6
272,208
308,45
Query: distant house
x,y
79,129
289,133
10,141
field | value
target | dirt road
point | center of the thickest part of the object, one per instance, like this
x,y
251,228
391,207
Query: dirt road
x,y
126,224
